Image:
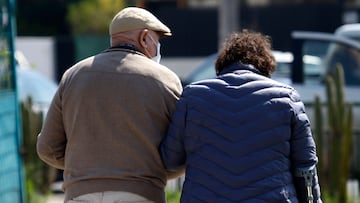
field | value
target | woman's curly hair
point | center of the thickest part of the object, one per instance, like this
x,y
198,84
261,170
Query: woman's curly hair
x,y
248,48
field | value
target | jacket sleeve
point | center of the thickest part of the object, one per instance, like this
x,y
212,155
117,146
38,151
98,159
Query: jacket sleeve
x,y
51,141
172,147
303,150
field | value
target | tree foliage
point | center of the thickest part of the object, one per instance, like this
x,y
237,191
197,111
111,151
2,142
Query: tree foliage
x,y
93,16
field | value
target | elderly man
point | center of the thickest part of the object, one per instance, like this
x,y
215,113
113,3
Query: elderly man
x,y
110,114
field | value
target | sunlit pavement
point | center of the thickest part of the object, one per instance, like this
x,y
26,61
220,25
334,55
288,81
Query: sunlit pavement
x,y
56,198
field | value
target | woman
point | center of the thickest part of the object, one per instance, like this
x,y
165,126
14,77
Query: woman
x,y
242,136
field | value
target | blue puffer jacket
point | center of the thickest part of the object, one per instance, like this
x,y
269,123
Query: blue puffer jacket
x,y
240,136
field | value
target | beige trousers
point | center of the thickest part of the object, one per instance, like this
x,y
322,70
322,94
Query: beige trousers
x,y
110,197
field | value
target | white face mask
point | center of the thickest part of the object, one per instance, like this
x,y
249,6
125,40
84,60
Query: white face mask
x,y
158,55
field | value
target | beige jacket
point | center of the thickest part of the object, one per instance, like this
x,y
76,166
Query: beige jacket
x,y
106,122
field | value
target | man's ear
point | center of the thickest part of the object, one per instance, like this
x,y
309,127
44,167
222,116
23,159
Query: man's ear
x,y
142,38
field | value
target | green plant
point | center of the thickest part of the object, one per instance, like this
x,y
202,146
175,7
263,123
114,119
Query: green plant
x,y
173,196
5,73
334,142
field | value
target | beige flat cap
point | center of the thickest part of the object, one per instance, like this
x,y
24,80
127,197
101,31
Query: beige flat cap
x,y
133,18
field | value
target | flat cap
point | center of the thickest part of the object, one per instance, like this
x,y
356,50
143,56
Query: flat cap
x,y
133,18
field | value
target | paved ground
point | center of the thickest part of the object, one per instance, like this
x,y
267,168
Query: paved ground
x,y
58,195
56,198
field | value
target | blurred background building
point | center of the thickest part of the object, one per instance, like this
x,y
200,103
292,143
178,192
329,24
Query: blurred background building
x,y
198,26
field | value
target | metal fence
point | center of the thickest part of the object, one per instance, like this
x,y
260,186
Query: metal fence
x,y
11,176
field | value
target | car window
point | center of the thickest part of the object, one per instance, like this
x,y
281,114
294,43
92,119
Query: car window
x,y
348,58
313,55
282,70
283,66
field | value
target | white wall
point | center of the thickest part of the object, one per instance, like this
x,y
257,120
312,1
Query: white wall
x,y
40,52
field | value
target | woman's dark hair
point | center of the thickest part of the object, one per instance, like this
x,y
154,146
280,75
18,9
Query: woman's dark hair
x,y
248,48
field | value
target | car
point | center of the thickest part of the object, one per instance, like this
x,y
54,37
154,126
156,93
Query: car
x,y
283,67
32,84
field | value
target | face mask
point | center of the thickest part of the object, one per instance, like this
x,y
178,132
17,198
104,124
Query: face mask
x,y
158,55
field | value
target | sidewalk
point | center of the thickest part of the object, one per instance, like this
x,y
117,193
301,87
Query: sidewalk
x,y
56,198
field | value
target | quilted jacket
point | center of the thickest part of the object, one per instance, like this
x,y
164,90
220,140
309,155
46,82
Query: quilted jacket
x,y
240,136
